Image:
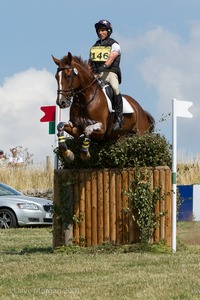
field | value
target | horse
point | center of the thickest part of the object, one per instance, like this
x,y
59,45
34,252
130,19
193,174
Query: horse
x,y
91,112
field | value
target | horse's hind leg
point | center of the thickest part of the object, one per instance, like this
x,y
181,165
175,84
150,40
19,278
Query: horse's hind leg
x,y
85,153
97,127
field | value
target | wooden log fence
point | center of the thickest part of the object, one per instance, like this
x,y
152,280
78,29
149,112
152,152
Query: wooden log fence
x,y
91,206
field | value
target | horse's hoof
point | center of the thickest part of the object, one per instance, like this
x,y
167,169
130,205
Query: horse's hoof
x,y
85,155
68,155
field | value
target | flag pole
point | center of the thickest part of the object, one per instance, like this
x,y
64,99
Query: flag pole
x,y
179,109
174,167
58,119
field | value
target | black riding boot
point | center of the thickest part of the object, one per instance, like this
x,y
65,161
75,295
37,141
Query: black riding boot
x,y
119,112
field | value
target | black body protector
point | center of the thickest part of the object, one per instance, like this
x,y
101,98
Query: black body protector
x,y
99,54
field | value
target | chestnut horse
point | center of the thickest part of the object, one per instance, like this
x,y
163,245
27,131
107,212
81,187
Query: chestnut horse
x,y
91,112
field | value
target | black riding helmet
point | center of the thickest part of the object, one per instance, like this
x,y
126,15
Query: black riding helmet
x,y
104,24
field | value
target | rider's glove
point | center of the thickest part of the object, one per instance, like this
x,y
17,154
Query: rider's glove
x,y
101,68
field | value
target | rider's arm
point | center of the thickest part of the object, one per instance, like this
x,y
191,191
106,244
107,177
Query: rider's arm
x,y
115,51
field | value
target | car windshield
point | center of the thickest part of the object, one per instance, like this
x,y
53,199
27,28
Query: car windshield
x,y
6,191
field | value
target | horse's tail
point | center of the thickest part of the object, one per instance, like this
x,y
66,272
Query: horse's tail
x,y
151,121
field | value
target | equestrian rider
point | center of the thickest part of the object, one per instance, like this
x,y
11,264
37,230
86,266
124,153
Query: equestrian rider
x,y
105,57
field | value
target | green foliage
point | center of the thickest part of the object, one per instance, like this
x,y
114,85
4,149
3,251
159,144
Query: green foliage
x,y
143,202
128,151
64,211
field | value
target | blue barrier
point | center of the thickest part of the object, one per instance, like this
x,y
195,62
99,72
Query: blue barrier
x,y
185,212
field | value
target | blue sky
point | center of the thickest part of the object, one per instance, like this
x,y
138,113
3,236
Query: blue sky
x,y
160,43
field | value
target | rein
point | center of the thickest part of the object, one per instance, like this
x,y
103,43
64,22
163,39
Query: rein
x,y
92,98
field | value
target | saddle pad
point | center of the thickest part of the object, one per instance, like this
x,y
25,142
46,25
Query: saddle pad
x,y
127,109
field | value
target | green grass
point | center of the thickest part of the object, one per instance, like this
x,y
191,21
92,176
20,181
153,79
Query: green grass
x,y
31,270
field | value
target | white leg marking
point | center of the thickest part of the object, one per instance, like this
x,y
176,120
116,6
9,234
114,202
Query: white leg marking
x,y
90,128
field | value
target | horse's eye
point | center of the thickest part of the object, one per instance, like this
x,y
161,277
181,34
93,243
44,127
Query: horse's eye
x,y
67,76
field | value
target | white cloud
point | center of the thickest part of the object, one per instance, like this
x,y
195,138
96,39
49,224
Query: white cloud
x,y
21,97
171,67
175,73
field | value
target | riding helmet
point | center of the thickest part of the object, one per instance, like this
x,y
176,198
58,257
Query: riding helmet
x,y
104,24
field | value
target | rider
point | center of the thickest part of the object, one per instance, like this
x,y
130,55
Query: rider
x,y
105,57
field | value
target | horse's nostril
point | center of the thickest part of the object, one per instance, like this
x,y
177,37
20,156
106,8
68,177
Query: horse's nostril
x,y
62,104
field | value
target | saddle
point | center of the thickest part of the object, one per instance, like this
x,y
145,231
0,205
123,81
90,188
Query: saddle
x,y
108,91
110,97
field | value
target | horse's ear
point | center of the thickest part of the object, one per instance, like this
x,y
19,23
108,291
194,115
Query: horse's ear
x,y
57,61
69,58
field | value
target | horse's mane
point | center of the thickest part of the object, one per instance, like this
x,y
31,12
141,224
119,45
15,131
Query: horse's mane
x,y
78,60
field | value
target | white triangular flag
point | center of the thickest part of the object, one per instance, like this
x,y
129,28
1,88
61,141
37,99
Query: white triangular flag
x,y
181,108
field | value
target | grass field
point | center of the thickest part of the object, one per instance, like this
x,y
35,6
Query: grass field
x,y
31,270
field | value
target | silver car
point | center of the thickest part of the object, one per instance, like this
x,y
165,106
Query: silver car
x,y
17,209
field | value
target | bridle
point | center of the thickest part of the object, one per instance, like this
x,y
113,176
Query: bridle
x,y
71,93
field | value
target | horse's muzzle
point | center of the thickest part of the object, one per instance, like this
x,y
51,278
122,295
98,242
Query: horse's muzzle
x,y
64,103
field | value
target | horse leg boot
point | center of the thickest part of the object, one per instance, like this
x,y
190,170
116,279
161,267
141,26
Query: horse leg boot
x,y
119,112
85,153
66,153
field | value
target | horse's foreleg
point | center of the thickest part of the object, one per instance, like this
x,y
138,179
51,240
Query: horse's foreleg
x,y
85,153
67,154
72,130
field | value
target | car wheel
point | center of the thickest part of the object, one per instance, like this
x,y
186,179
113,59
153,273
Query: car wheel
x,y
7,219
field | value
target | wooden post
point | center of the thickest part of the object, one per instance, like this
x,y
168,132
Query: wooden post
x,y
112,207
100,214
77,215
168,207
88,215
106,206
81,185
57,227
119,200
157,208
94,221
48,164
125,208
63,230
162,203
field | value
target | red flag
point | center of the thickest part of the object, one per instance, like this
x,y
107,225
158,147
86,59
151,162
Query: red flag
x,y
50,113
